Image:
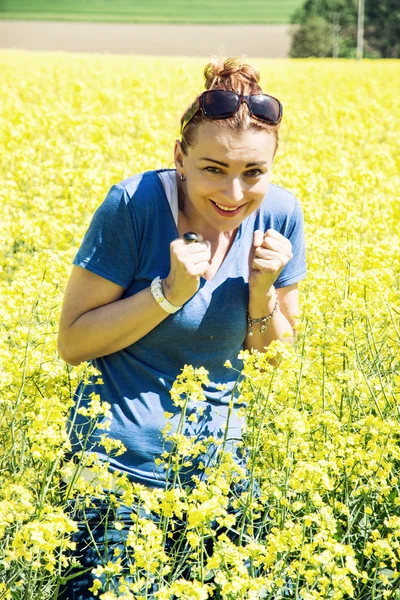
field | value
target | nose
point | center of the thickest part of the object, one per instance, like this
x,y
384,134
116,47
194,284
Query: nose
x,y
234,190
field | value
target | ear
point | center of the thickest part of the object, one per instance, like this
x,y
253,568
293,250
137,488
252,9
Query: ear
x,y
178,155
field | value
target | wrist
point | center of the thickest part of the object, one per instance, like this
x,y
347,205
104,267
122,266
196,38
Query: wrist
x,y
262,304
159,296
169,294
262,320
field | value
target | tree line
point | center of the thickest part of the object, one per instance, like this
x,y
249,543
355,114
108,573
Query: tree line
x,y
328,28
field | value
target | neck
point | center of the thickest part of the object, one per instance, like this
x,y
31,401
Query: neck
x,y
191,221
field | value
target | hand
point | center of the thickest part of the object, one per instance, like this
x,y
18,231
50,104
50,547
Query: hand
x,y
188,263
270,253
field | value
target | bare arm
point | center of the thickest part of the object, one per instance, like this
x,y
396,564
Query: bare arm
x,y
95,321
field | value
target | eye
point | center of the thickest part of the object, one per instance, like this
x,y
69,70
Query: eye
x,y
212,170
254,173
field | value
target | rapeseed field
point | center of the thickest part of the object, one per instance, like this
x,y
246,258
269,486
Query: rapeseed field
x,y
323,423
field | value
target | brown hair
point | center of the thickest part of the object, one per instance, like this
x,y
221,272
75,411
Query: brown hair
x,y
234,75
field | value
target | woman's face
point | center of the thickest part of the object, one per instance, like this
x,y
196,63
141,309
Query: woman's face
x,y
227,175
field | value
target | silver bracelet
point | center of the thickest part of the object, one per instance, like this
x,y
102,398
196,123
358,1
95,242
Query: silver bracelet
x,y
263,320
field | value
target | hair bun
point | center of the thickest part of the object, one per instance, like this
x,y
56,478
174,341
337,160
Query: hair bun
x,y
232,74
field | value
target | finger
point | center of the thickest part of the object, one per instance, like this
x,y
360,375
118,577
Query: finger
x,y
258,238
194,247
199,257
267,266
199,269
184,256
265,254
198,247
277,245
179,244
191,242
272,233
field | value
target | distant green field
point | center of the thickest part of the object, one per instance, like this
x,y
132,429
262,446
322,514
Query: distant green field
x,y
152,11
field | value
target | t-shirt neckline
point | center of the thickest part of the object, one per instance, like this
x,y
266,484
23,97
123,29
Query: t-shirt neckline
x,y
235,244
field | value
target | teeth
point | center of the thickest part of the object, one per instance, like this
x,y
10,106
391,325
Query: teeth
x,y
225,208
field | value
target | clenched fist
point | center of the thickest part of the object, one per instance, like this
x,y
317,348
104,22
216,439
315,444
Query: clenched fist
x,y
270,253
188,263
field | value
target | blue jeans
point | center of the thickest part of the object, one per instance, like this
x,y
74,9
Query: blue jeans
x,y
98,523
96,540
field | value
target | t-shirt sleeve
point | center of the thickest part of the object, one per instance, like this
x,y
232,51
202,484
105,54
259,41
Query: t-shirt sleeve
x,y
295,269
109,247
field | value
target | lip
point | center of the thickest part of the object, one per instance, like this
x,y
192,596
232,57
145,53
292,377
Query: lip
x,y
226,213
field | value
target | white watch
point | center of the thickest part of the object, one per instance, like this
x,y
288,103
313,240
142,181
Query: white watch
x,y
159,297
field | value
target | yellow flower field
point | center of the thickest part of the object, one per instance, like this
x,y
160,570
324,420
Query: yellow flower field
x,y
323,427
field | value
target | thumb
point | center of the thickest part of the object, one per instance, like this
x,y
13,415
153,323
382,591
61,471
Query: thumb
x,y
258,238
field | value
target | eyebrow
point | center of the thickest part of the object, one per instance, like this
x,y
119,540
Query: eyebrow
x,y
218,162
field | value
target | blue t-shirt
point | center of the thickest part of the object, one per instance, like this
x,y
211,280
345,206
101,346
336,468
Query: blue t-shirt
x,y
128,243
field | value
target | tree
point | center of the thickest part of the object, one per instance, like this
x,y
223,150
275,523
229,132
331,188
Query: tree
x,y
313,38
327,9
382,31
382,27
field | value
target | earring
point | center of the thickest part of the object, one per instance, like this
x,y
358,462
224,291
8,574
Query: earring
x,y
182,177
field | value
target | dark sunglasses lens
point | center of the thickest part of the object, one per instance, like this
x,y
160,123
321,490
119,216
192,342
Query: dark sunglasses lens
x,y
219,104
265,108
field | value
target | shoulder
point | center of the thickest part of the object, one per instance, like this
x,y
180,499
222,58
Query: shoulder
x,y
129,198
280,201
279,210
140,183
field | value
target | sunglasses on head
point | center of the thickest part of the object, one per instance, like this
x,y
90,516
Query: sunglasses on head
x,y
222,104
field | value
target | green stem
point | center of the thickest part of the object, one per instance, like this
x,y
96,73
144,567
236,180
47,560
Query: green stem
x,y
301,553
253,461
16,463
373,591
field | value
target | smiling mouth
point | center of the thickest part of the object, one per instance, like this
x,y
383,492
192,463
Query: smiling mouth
x,y
226,209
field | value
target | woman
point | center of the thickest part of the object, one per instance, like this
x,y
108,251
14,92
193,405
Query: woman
x,y
187,266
